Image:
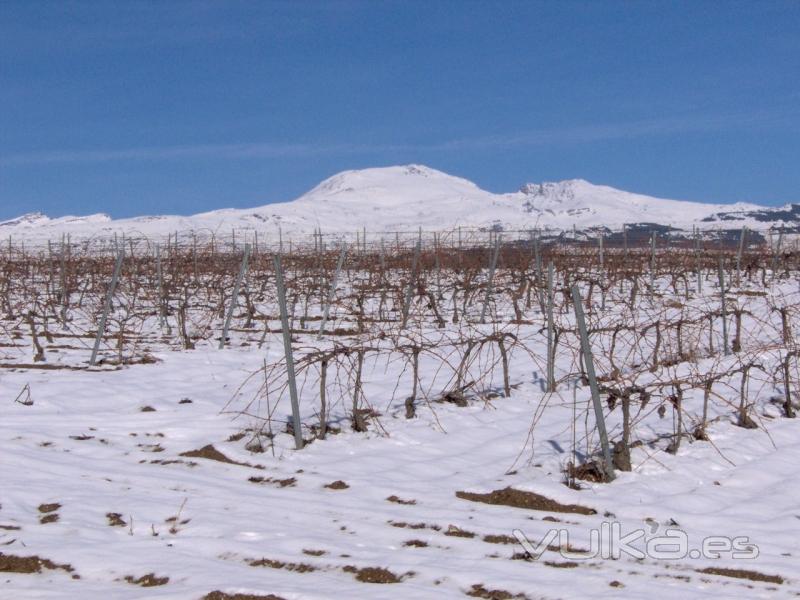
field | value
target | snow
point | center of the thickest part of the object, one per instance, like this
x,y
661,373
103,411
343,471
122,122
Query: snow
x,y
86,444
404,198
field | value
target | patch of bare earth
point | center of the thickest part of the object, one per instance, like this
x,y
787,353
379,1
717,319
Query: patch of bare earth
x,y
279,564
288,482
742,574
29,564
337,485
372,574
529,500
479,591
210,453
218,595
398,500
48,512
149,580
115,520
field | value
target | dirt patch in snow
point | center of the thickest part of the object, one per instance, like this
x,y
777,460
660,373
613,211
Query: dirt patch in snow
x,y
29,564
218,595
397,500
479,591
279,564
742,574
210,453
520,499
337,485
149,580
372,574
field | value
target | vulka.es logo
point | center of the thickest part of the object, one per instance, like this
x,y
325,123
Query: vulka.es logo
x,y
609,542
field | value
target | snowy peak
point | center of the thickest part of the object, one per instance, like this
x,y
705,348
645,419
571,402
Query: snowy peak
x,y
385,184
403,198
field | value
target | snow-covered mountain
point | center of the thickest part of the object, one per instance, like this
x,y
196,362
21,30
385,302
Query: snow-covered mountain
x,y
403,198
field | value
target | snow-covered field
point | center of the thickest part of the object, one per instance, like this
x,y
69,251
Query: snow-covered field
x,y
167,480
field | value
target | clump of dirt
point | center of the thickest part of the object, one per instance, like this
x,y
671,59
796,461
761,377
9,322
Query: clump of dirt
x,y
49,508
561,565
147,409
404,525
454,531
279,564
149,580
235,437
314,552
520,499
372,574
115,520
210,453
28,564
51,518
337,485
479,591
397,500
288,482
81,438
591,471
742,574
10,527
184,401
218,595
415,544
499,539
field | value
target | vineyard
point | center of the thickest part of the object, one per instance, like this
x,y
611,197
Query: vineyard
x,y
469,389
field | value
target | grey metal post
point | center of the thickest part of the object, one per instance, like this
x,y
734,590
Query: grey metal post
x,y
588,364
160,287
697,261
551,380
287,348
776,252
101,328
331,292
234,296
652,263
724,311
739,256
412,282
489,285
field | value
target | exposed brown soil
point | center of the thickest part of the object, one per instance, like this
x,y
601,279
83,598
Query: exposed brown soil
x,y
337,485
742,574
28,564
288,482
279,564
311,552
415,544
499,539
149,580
561,565
210,453
403,525
48,508
10,527
147,409
372,574
218,595
115,520
454,531
397,500
530,500
51,518
479,591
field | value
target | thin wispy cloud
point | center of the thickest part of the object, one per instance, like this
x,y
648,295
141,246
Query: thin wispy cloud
x,y
564,136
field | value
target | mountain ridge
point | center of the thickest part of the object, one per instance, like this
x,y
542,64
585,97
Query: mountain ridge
x,y
405,197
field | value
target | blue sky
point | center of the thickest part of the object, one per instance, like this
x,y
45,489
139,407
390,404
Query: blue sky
x,y
179,107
